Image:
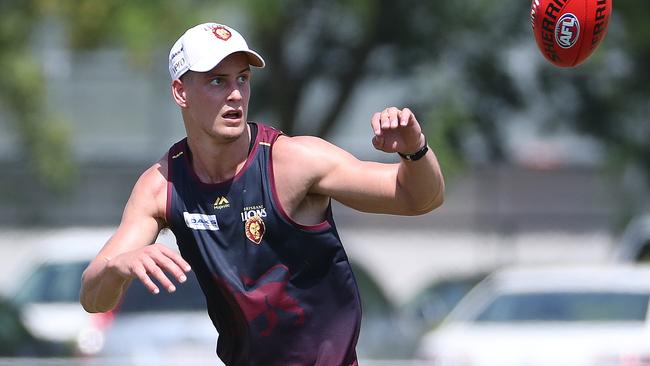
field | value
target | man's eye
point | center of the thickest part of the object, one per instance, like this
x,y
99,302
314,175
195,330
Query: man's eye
x,y
216,81
242,79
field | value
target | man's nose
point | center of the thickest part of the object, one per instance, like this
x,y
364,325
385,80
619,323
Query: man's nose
x,y
235,94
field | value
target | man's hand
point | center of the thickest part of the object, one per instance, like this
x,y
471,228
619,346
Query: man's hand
x,y
397,131
153,260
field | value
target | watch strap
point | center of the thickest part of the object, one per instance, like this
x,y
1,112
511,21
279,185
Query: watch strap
x,y
418,154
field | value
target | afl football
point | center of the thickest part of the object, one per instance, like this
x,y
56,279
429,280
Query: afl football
x,y
567,32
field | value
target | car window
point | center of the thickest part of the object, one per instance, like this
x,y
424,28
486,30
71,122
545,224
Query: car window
x,y
434,302
566,307
52,282
188,296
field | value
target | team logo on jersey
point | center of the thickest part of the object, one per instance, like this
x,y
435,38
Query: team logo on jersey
x,y
255,229
221,32
221,202
266,302
198,221
250,211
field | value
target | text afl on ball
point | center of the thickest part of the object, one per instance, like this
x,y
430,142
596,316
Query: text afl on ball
x,y
567,32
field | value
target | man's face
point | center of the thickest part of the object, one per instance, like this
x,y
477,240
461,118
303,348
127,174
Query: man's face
x,y
217,100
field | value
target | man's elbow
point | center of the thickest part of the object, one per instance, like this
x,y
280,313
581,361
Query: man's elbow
x,y
85,304
430,205
91,305
92,308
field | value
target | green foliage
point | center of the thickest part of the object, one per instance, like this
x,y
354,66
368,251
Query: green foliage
x,y
139,26
346,42
44,138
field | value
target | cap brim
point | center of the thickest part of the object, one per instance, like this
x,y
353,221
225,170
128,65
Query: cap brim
x,y
208,63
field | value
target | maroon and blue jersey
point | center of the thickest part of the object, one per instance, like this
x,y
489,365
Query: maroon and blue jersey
x,y
278,292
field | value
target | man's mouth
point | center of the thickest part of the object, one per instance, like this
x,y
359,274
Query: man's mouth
x,y
234,114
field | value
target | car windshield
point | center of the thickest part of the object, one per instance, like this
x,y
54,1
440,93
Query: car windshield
x,y
188,296
52,283
522,307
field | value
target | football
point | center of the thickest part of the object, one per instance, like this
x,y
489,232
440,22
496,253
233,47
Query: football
x,y
567,32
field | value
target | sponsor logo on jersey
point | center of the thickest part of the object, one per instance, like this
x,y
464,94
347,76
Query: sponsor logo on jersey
x,y
200,221
254,229
221,202
567,30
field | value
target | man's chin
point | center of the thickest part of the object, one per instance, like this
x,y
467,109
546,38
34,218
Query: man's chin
x,y
231,131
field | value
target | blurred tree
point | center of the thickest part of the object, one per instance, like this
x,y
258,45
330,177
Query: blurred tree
x,y
44,137
139,26
462,59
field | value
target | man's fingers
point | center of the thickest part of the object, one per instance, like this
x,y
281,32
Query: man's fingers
x,y
375,122
154,270
405,117
393,117
167,264
177,258
141,273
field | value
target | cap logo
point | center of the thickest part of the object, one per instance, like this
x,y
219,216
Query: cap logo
x,y
221,32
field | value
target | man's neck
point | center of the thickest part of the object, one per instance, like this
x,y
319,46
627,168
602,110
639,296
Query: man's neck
x,y
214,161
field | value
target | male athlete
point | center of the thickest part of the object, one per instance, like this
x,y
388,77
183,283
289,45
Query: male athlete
x,y
250,209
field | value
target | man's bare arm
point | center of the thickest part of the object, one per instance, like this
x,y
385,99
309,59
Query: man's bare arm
x,y
128,254
404,188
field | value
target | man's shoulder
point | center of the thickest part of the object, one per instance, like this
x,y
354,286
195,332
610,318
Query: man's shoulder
x,y
308,148
301,143
156,176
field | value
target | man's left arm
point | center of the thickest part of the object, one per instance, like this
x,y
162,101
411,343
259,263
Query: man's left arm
x,y
410,187
419,181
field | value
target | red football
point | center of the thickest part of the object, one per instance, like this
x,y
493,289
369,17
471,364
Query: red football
x,y
568,31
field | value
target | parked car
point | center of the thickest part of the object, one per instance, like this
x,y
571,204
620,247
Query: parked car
x,y
164,329
634,245
17,341
432,304
48,297
551,316
175,329
383,334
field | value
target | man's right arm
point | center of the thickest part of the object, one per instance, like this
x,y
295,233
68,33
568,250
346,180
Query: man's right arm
x,y
129,254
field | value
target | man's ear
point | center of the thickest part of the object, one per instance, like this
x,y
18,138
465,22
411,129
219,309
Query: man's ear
x,y
179,93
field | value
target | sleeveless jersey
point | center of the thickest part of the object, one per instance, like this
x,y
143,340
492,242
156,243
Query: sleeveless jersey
x,y
278,293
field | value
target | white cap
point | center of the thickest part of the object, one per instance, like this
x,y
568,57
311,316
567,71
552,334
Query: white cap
x,y
202,47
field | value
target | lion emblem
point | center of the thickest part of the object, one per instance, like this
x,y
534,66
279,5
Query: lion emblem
x,y
221,32
255,229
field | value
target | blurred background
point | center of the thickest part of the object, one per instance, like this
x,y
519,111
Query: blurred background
x,y
544,166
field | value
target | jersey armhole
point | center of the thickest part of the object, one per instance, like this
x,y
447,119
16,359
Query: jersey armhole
x,y
322,226
170,185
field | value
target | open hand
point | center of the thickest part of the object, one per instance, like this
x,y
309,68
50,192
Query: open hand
x,y
153,260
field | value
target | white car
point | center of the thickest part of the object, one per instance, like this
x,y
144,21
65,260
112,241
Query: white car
x,y
48,296
167,329
548,316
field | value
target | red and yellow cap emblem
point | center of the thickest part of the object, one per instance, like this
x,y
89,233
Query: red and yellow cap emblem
x,y
221,32
255,229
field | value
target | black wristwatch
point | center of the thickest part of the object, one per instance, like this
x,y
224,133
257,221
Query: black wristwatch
x,y
418,154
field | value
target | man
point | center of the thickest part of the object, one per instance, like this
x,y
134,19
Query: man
x,y
250,209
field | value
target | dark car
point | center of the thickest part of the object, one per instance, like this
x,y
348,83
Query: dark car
x,y
17,341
